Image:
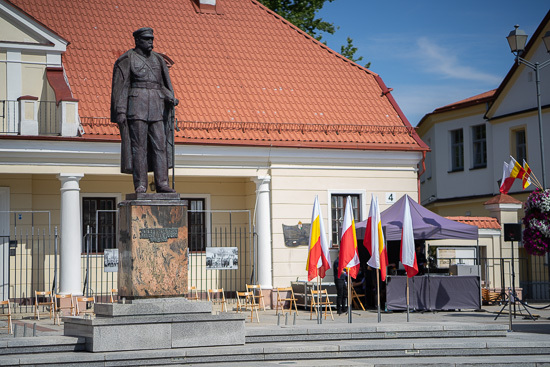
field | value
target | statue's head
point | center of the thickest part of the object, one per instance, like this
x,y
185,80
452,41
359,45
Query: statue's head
x,y
144,39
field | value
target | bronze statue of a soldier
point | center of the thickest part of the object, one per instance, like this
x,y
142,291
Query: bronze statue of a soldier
x,y
142,100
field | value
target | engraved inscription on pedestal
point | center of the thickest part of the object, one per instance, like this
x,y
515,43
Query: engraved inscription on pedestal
x,y
153,248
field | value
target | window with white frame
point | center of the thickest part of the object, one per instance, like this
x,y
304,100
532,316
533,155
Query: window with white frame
x,y
520,145
99,215
337,207
479,146
457,150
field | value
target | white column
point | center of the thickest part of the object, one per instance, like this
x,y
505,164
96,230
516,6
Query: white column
x,y
71,235
263,229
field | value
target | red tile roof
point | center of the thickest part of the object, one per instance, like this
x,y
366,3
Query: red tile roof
x,y
480,222
502,199
245,76
480,98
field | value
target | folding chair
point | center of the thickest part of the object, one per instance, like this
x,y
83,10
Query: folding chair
x,y
112,293
282,300
317,300
192,294
246,300
48,302
217,300
86,301
8,315
60,304
355,298
256,290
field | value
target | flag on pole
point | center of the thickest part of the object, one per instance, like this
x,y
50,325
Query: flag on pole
x,y
374,239
527,176
318,258
348,258
510,172
507,180
408,253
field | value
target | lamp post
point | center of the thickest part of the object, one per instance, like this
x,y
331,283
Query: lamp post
x,y
517,40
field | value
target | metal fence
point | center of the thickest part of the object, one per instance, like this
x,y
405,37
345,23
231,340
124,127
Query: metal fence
x,y
226,230
530,274
29,257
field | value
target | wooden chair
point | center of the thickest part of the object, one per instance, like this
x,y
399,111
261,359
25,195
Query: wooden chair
x,y
193,294
60,307
112,294
246,300
8,315
256,290
47,302
85,301
283,298
317,300
356,300
220,299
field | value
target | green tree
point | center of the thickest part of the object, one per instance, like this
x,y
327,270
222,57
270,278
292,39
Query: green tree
x,y
303,14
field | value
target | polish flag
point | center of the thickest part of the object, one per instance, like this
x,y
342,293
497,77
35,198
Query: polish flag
x,y
408,253
374,240
318,258
348,257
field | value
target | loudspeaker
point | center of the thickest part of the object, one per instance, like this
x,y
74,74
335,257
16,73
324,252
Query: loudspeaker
x,y
512,232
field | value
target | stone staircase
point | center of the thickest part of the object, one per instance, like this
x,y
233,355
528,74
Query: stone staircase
x,y
427,344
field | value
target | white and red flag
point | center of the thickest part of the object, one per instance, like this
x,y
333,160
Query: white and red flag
x,y
374,240
348,258
318,258
408,253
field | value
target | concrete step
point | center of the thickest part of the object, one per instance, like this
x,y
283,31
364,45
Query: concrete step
x,y
333,332
450,351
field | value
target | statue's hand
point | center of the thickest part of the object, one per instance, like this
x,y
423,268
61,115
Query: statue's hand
x,y
172,101
121,119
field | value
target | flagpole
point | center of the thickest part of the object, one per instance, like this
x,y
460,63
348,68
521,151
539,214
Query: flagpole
x,y
319,318
349,298
407,298
378,291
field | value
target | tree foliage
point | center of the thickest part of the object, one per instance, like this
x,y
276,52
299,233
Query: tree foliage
x,y
303,14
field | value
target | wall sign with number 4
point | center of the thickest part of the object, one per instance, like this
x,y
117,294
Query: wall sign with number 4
x,y
390,197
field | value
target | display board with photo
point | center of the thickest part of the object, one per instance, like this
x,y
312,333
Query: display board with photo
x,y
222,258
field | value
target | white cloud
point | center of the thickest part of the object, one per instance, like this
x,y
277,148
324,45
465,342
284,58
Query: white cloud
x,y
437,59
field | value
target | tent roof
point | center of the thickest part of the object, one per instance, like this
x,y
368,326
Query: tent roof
x,y
426,224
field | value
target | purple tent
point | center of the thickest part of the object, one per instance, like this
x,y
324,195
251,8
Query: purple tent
x,y
426,224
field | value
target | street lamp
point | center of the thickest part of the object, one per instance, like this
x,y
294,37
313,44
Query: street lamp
x,y
517,40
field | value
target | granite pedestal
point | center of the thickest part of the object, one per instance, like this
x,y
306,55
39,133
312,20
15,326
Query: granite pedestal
x,y
156,323
153,252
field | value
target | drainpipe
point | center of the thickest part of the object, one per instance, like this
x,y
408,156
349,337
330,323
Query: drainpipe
x,y
420,173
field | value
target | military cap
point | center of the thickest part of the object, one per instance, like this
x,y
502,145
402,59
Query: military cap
x,y
143,32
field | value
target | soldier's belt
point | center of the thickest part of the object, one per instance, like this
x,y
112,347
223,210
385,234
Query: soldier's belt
x,y
146,85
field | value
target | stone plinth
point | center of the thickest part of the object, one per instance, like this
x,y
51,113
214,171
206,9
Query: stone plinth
x,y
159,323
153,254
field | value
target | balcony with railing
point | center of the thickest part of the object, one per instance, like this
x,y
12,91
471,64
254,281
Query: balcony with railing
x,y
30,116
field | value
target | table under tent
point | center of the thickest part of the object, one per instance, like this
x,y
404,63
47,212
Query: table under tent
x,y
429,291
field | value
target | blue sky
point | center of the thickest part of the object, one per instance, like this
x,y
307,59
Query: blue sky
x,y
433,52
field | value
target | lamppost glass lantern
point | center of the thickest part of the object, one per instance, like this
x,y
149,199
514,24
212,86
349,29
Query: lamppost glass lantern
x,y
517,40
